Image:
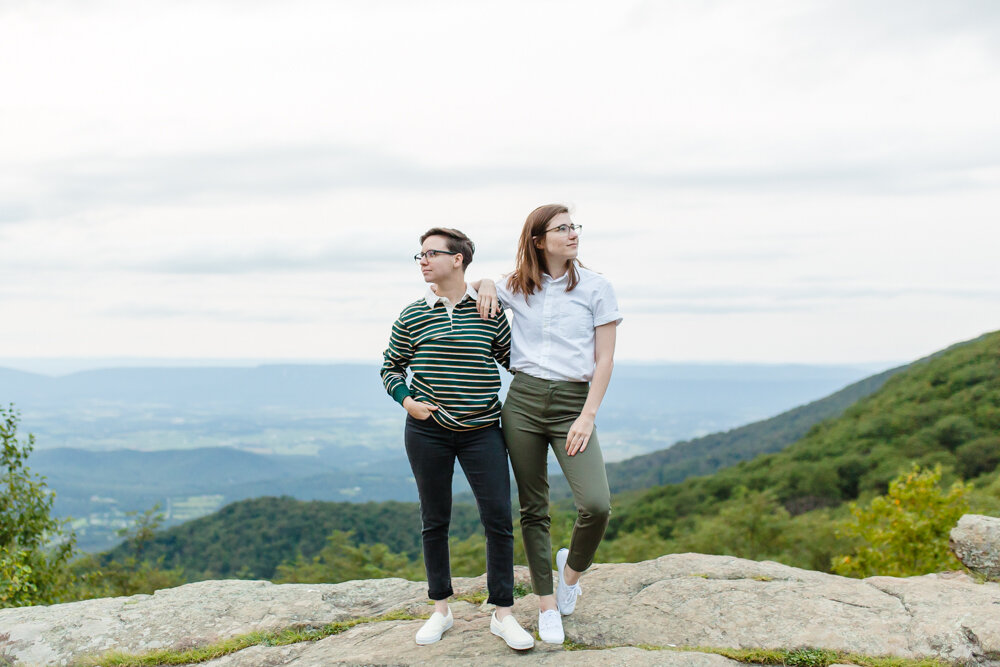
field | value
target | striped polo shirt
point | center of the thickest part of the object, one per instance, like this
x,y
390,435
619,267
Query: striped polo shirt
x,y
451,352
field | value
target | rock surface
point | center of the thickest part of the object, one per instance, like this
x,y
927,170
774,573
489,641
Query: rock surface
x,y
681,600
976,542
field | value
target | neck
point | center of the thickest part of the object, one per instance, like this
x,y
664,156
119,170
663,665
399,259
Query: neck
x,y
557,270
452,288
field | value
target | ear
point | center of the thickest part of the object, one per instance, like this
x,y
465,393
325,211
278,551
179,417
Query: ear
x,y
457,260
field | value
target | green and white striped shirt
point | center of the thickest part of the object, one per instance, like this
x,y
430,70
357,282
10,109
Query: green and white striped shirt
x,y
451,353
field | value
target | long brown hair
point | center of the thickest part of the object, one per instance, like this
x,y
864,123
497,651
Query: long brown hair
x,y
530,265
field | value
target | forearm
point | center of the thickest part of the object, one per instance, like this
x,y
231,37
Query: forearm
x,y
604,363
598,386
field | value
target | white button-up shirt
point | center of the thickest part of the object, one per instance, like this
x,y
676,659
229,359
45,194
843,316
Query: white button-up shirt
x,y
552,331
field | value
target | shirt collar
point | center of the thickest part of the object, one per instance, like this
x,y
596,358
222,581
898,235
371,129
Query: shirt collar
x,y
549,279
433,299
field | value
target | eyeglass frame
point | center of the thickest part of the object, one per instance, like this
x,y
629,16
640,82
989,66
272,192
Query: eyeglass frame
x,y
572,227
420,255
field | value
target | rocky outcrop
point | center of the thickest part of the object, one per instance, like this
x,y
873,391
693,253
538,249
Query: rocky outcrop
x,y
677,601
976,542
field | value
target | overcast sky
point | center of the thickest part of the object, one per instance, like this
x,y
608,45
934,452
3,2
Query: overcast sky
x,y
801,181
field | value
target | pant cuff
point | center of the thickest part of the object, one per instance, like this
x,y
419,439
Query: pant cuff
x,y
440,595
542,586
577,563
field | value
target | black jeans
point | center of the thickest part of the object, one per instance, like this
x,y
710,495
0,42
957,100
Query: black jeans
x,y
432,450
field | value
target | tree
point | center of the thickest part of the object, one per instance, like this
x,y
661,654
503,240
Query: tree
x,y
753,525
905,532
342,560
134,573
35,549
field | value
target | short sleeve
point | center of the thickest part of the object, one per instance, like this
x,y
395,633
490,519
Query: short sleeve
x,y
605,305
504,292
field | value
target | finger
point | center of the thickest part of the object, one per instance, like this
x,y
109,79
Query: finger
x,y
583,445
432,407
494,307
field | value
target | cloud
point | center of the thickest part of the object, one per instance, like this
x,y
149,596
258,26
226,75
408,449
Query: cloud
x,y
75,185
735,299
141,311
334,259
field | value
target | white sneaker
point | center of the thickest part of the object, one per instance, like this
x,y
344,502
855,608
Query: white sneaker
x,y
511,632
566,595
435,626
550,627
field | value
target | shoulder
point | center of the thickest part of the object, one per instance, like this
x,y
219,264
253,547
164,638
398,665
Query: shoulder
x,y
416,309
592,280
503,285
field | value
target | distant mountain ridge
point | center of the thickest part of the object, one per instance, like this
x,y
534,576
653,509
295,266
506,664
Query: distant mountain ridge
x,y
193,439
941,410
706,455
944,409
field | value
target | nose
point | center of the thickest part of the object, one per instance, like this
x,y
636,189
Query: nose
x,y
573,233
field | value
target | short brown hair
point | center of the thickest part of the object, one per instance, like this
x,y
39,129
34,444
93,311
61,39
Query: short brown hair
x,y
456,242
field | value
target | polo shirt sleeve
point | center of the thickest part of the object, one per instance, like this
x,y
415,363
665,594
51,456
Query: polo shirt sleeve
x,y
501,341
395,360
605,305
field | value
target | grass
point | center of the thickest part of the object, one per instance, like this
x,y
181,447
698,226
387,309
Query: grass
x,y
800,657
271,638
238,643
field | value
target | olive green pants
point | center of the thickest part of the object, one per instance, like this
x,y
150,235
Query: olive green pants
x,y
536,415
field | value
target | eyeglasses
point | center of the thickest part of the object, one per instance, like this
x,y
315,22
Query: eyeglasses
x,y
431,254
564,229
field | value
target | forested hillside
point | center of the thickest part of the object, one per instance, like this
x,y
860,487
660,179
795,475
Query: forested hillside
x,y
705,455
944,410
249,539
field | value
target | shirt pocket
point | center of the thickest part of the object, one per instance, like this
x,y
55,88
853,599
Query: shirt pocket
x,y
576,320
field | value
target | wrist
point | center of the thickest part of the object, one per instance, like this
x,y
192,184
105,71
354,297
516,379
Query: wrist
x,y
401,393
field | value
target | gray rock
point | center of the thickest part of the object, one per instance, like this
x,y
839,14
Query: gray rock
x,y
976,542
684,600
201,613
696,600
468,642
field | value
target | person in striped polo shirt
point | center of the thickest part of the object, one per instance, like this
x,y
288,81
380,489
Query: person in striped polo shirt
x,y
454,412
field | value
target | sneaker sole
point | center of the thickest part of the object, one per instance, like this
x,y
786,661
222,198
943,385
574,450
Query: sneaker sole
x,y
513,646
428,642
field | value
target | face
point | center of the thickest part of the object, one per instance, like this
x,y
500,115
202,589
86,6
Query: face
x,y
559,246
440,267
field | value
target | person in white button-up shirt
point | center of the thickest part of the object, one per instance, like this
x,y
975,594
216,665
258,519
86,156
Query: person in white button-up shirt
x,y
562,353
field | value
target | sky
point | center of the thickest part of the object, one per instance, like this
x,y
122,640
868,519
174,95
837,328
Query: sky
x,y
802,181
